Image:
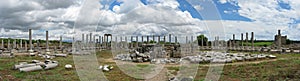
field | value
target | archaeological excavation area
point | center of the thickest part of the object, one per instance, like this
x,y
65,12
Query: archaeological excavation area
x,y
110,56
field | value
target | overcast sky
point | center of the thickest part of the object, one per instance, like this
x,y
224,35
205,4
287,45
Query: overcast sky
x,y
149,17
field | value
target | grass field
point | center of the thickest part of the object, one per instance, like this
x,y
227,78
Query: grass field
x,y
259,43
286,67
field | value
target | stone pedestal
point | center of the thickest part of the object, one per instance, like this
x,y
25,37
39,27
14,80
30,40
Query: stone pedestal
x,y
31,52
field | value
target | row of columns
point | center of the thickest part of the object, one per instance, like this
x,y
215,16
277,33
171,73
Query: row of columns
x,y
105,38
233,43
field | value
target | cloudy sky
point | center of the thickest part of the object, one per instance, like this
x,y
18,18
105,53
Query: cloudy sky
x,y
149,17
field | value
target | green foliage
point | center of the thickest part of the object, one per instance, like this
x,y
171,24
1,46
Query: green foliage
x,y
205,39
264,44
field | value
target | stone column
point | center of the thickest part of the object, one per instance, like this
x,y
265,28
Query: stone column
x,y
164,39
158,39
82,38
207,43
91,38
131,42
30,40
26,45
126,42
279,39
175,39
153,38
186,39
94,39
99,40
103,39
8,45
47,43
116,39
252,40
147,39
111,37
142,39
170,38
242,39
131,39
21,44
137,41
60,42
15,44
233,41
192,47
246,40
229,44
87,38
2,45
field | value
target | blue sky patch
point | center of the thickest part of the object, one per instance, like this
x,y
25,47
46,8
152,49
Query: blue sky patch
x,y
115,3
283,5
144,2
185,6
227,11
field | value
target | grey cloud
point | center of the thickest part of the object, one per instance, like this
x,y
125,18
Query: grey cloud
x,y
34,14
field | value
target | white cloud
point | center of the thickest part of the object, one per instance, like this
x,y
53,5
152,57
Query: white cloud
x,y
133,18
223,1
116,9
198,7
268,16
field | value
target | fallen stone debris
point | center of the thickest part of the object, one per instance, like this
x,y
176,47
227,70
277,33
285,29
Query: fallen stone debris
x,y
68,66
35,65
6,54
134,57
105,67
203,57
181,79
60,55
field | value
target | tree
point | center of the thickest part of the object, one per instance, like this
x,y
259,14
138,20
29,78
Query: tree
x,y
205,39
288,41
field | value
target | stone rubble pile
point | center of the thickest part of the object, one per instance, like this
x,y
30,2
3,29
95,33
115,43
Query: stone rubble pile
x,y
181,79
203,57
6,54
219,57
35,65
166,61
134,57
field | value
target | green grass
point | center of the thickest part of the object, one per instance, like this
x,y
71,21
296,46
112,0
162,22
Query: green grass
x,y
287,67
58,73
258,43
142,65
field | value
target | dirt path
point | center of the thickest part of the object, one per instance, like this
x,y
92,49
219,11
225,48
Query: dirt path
x,y
162,76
